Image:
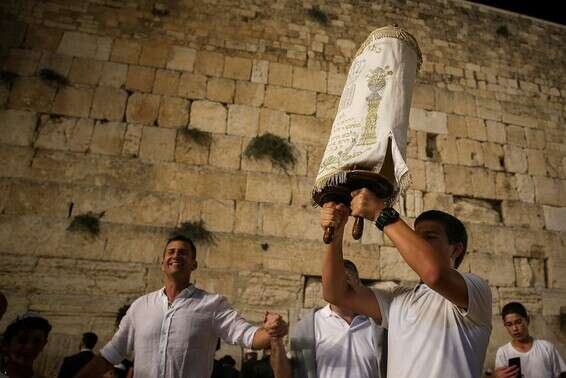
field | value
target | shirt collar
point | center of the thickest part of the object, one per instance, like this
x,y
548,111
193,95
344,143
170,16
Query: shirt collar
x,y
327,312
185,293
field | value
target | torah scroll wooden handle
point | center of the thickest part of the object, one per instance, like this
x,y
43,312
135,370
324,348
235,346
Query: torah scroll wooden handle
x,y
358,228
328,235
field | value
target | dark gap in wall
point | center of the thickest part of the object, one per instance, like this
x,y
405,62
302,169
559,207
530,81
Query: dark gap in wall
x,y
431,149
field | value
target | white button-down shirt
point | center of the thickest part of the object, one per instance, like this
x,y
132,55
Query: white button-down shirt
x,y
177,340
344,350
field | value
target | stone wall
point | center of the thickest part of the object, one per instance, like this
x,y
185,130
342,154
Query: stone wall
x,y
487,143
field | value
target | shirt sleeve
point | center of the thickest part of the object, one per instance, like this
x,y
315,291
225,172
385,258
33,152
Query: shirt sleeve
x,y
558,365
500,359
384,298
122,343
231,327
479,300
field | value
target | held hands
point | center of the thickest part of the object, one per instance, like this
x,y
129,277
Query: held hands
x,y
366,204
274,324
507,372
334,215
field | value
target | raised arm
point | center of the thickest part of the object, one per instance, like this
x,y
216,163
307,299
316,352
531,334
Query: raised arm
x,y
335,288
279,361
431,264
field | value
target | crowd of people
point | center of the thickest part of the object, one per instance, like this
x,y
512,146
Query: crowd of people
x,y
438,328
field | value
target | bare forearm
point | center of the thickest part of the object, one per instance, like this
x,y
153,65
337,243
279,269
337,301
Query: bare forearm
x,y
261,339
334,286
417,252
279,362
95,368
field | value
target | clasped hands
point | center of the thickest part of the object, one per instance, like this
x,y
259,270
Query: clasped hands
x,y
274,324
364,204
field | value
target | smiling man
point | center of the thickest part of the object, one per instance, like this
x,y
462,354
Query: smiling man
x,y
440,327
539,358
173,331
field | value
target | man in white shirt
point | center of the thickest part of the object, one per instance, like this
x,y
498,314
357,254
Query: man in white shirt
x,y
173,331
539,358
333,342
441,327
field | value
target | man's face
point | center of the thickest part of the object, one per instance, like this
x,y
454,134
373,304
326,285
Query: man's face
x,y
517,326
178,259
26,346
433,232
352,278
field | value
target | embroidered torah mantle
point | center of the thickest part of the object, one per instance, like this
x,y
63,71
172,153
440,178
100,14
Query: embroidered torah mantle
x,y
374,109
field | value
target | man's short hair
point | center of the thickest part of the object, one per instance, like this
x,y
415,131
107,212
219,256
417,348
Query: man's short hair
x,y
89,339
26,324
514,308
453,228
121,313
183,239
348,264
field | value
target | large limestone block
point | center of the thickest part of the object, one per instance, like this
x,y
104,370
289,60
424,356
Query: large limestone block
x,y
483,182
529,272
208,116
429,121
326,106
552,301
493,156
143,108
173,112
243,120
423,97
158,144
457,126
496,132
530,297
140,78
109,104
291,222
181,58
438,201
73,101
218,215
154,54
86,71
246,217
497,270
215,281
226,185
32,94
549,191
65,134
290,100
209,63
309,79
15,161
232,253
516,136
281,74
225,151
268,290
125,51
221,90
22,62
393,267
555,218
536,160
274,122
132,140
335,83
114,74
491,238
55,62
447,148
42,38
17,127
237,68
476,211
458,180
85,45
434,177
515,159
535,138
307,129
268,188
248,93
516,213
107,138
506,186
189,152
260,71
166,83
192,86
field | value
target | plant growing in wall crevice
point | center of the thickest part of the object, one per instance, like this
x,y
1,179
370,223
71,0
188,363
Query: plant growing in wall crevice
x,y
318,15
7,77
202,138
503,31
52,77
88,223
196,231
278,150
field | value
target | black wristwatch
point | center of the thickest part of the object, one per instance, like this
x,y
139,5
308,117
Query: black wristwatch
x,y
387,216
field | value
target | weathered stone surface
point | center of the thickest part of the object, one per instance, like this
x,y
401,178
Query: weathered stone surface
x,y
221,90
260,70
536,162
85,45
181,58
469,152
393,267
22,62
173,112
154,54
108,138
31,94
140,78
86,71
280,74
496,132
188,151
132,140
423,97
476,129
211,209
432,122
493,156
109,103
476,211
208,116
143,108
515,159
516,213
549,191
529,272
556,277
555,218
246,217
495,269
290,222
309,79
114,74
438,201
335,83
268,188
237,68
535,138
73,101
192,86
326,106
249,93
243,120
225,151
166,83
158,144
17,127
274,122
209,63
305,129
290,100
516,136
65,134
125,51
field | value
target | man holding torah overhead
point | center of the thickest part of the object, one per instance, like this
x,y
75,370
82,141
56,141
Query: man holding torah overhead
x,y
440,327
